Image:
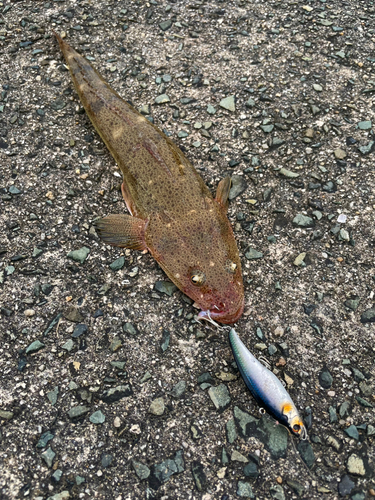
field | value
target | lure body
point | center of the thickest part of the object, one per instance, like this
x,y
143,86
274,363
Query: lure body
x,y
266,388
173,214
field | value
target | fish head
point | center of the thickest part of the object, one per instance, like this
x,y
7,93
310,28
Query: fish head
x,y
294,421
201,258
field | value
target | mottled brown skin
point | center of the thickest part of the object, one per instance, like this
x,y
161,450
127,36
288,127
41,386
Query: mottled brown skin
x,y
174,215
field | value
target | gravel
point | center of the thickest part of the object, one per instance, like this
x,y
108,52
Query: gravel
x,y
278,95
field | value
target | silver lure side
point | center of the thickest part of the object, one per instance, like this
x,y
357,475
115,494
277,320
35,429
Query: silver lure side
x,y
266,387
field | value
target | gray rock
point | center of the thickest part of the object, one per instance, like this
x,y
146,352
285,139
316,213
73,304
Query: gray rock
x,y
117,264
48,456
231,431
365,125
6,415
344,409
178,389
116,393
244,421
129,328
325,378
297,487
78,411
211,110
220,397
141,470
165,25
368,316
244,490
228,103
332,414
238,186
346,485
353,303
307,453
106,460
251,470
267,128
79,255
162,99
166,287
303,221
63,495
352,432
253,254
79,330
34,347
365,150
238,457
277,492
317,87
288,173
44,439
199,475
273,436
56,476
157,407
52,395
97,418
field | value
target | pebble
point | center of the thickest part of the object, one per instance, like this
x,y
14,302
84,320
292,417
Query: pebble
x,y
228,103
78,411
97,417
48,456
79,330
141,470
307,453
162,99
231,431
365,150
63,495
368,316
355,465
251,470
166,287
220,397
352,432
116,393
298,261
79,255
340,154
211,110
44,439
346,485
53,395
178,389
277,492
288,173
317,87
29,313
303,221
253,254
199,476
244,490
6,415
238,457
238,186
165,25
325,379
117,264
365,125
274,437
34,347
157,407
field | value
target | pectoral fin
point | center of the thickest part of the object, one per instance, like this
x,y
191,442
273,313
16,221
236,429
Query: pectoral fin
x,y
222,192
122,231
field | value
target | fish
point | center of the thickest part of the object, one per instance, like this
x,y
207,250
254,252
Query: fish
x,y
173,214
266,388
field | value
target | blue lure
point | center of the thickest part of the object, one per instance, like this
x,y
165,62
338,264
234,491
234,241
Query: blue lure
x,y
266,388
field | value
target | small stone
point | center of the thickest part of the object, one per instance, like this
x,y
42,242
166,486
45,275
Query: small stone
x,y
53,395
199,476
250,103
368,316
251,470
228,103
288,173
297,487
314,109
365,125
14,190
78,411
211,110
157,407
365,150
244,421
79,330
253,254
117,264
346,485
166,337
325,379
267,128
116,393
274,437
238,457
355,465
162,99
141,470
317,87
6,415
165,25
29,313
97,417
79,255
68,346
303,221
244,490
48,456
352,432
178,389
166,287
238,186
277,492
231,431
344,235
44,439
129,328
56,476
220,397
335,443
72,314
341,218
340,154
106,460
307,453
34,347
298,261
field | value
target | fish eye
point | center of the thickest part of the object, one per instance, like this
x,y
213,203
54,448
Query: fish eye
x,y
197,277
230,266
296,427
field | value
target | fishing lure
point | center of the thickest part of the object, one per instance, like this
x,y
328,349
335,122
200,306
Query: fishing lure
x,y
266,388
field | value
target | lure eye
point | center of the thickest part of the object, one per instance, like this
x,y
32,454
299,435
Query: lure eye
x,y
230,266
296,427
197,277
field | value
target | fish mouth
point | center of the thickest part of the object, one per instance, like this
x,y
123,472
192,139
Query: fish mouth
x,y
223,316
299,429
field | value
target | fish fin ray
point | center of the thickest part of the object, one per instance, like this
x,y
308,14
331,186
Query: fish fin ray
x,y
222,192
122,231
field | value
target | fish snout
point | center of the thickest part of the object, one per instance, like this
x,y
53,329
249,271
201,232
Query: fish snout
x,y
298,427
222,314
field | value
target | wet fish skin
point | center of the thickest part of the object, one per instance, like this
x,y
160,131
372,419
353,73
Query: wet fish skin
x,y
173,214
266,388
